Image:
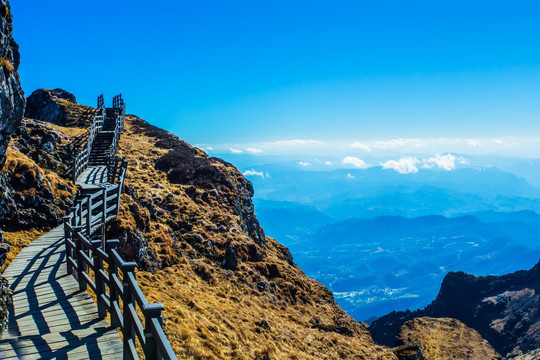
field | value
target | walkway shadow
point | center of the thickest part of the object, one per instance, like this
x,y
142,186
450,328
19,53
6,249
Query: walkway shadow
x,y
51,259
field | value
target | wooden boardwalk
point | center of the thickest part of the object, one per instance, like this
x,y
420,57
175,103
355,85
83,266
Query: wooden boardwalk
x,y
93,176
51,318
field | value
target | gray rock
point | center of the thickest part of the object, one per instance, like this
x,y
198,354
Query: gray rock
x,y
4,250
264,324
44,104
230,261
12,100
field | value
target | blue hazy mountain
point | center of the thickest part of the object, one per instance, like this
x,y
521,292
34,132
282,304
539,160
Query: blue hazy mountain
x,y
383,241
377,239
387,263
349,193
289,221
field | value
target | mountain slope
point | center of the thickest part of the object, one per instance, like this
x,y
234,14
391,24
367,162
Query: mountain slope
x,y
229,291
503,309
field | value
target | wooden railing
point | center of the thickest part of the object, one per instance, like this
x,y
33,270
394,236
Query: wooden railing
x,y
118,102
116,170
82,152
100,102
120,107
95,262
82,157
98,265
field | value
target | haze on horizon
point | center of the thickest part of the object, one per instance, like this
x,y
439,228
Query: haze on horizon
x,y
457,77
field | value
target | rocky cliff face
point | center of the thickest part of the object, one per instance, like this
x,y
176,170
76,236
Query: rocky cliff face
x,y
503,309
36,189
12,103
12,100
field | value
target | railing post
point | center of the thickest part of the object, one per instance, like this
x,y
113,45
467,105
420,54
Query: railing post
x,y
100,283
79,215
67,236
113,269
80,263
104,205
89,215
151,311
74,167
73,216
128,331
118,194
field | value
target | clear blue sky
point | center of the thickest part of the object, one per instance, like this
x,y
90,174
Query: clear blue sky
x,y
251,71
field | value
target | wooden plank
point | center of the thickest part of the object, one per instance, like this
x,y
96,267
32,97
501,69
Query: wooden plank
x,y
99,350
43,343
55,318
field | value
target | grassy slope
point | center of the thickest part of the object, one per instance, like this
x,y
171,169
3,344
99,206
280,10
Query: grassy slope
x,y
211,313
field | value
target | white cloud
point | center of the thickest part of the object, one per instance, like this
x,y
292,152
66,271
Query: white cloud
x,y
294,142
394,143
474,142
253,150
497,141
235,151
361,146
354,161
446,162
304,163
328,163
253,172
209,148
405,165
350,176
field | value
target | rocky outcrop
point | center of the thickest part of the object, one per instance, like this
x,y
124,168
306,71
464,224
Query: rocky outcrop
x,y
59,107
12,104
186,165
46,105
12,99
445,338
32,194
503,309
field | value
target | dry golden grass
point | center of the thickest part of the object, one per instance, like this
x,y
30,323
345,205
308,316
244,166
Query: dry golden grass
x,y
220,318
17,241
20,166
446,338
4,62
212,313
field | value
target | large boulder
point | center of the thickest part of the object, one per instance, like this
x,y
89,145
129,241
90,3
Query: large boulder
x,y
46,105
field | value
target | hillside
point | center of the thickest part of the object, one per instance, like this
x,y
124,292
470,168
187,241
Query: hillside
x,y
189,222
503,309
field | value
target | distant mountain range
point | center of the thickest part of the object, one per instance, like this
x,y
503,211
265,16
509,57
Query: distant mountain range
x,y
383,241
355,193
374,266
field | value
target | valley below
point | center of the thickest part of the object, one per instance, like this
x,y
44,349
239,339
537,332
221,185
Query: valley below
x,y
382,241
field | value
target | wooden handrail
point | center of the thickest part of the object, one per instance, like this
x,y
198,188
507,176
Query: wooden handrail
x,y
115,285
82,152
117,292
